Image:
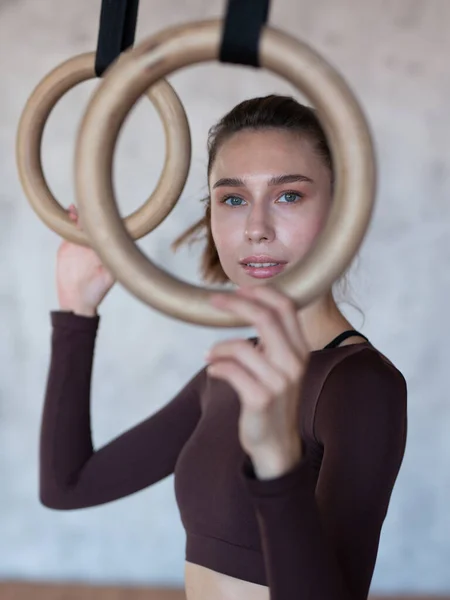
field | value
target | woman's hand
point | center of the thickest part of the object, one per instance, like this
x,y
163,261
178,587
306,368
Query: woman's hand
x,y
82,281
268,380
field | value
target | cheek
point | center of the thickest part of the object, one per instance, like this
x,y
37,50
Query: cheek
x,y
225,236
317,218
316,226
302,233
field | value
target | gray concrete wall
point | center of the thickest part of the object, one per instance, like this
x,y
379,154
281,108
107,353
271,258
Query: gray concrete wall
x,y
394,53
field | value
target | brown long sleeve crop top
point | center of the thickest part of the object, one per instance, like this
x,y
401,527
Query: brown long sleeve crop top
x,y
312,533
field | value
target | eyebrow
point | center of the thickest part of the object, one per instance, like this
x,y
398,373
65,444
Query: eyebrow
x,y
278,180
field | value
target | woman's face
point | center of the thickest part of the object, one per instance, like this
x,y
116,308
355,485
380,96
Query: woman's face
x,y
270,196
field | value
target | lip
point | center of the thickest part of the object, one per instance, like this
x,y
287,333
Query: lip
x,y
263,272
262,258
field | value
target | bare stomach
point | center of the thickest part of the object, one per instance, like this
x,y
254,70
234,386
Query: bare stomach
x,y
204,584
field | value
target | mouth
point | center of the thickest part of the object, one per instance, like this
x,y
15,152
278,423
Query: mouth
x,y
263,270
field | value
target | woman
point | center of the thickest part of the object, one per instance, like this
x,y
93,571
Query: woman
x,y
286,448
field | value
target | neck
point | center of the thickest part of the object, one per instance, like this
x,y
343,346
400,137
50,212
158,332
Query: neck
x,y
321,321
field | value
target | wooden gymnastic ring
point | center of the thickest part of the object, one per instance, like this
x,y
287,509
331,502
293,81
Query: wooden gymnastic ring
x,y
29,140
340,114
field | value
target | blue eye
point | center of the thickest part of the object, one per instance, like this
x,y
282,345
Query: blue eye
x,y
225,200
291,197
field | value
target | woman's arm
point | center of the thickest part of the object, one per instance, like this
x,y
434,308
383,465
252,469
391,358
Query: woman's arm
x,y
321,541
74,475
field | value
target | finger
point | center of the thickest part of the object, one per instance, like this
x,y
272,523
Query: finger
x,y
278,346
256,364
74,216
250,390
285,309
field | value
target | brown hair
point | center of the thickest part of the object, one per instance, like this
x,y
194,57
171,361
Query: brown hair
x,y
269,112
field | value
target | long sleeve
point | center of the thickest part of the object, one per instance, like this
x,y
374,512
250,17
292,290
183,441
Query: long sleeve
x,y
74,475
320,540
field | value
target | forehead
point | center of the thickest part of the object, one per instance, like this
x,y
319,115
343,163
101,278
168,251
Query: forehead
x,y
269,151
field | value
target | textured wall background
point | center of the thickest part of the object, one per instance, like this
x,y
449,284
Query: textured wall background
x,y
395,55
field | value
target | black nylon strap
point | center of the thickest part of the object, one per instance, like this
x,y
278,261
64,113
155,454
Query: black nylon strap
x,y
242,28
117,29
333,344
343,336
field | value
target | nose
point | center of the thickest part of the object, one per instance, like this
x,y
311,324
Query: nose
x,y
259,226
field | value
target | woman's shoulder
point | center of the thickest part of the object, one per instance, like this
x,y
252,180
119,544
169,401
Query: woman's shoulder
x,y
359,362
360,388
